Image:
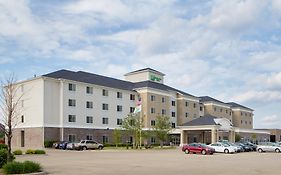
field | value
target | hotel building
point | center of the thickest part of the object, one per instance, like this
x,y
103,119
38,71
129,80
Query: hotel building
x,y
70,106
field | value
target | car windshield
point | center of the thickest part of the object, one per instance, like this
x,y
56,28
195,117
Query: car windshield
x,y
225,145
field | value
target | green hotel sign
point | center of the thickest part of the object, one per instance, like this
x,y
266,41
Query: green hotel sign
x,y
155,78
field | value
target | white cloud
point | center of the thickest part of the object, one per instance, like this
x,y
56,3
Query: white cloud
x,y
258,96
272,121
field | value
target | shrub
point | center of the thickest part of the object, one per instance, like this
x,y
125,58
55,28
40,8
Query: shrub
x,y
22,167
30,151
4,146
38,151
48,143
17,152
4,157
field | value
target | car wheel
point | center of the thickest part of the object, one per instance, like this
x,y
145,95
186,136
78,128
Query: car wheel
x,y
277,150
204,152
186,151
84,148
226,151
100,147
260,150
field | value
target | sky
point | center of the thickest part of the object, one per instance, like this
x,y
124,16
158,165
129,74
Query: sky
x,y
229,50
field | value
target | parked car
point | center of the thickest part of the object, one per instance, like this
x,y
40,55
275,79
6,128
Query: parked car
x,y
238,148
197,148
70,146
88,144
60,145
222,148
245,148
249,144
268,147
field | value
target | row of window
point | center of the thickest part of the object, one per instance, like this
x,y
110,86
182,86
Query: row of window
x,y
89,105
173,103
221,110
153,123
90,90
89,119
246,114
163,112
245,122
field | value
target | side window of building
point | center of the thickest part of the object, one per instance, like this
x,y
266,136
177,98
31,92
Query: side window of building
x,y
119,94
173,125
163,112
173,103
163,99
89,119
152,140
104,139
132,97
89,137
186,104
173,114
152,110
104,120
22,118
104,92
194,105
71,102
152,98
71,118
152,122
119,108
71,87
132,109
89,104
71,138
186,114
201,108
119,121
104,106
89,90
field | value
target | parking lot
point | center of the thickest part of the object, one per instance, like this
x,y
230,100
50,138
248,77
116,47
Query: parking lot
x,y
164,162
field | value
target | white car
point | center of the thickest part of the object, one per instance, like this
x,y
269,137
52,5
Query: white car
x,y
268,147
223,148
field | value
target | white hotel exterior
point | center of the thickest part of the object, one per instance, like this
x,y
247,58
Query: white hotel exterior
x,y
67,105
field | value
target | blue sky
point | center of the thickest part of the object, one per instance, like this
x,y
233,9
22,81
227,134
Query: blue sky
x,y
230,50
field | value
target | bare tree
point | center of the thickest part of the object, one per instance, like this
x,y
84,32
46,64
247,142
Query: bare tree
x,y
10,107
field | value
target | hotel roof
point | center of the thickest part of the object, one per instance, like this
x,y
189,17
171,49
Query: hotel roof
x,y
236,105
210,99
143,70
205,120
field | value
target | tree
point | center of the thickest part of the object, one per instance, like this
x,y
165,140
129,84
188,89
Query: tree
x,y
162,128
10,108
117,136
237,137
133,125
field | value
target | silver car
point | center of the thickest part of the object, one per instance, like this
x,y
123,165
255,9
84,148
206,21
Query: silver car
x,y
88,144
268,147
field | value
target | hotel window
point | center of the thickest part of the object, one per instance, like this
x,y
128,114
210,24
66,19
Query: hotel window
x,y
201,108
89,137
152,122
71,102
173,103
89,119
186,114
226,111
132,97
215,109
246,114
104,106
22,118
230,113
71,118
89,90
71,87
194,105
104,120
163,112
250,122
220,109
132,109
173,125
173,114
119,94
104,139
152,98
104,92
89,104
241,122
119,108
152,110
186,103
241,113
163,99
119,121
71,138
246,122
152,140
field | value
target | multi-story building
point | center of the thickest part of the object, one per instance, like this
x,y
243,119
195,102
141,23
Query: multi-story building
x,y
67,105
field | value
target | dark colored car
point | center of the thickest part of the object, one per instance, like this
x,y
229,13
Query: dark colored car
x,y
252,146
245,147
60,145
197,148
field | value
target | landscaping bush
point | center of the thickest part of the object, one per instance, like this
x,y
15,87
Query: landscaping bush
x,y
4,157
48,143
38,151
4,146
30,151
17,152
22,167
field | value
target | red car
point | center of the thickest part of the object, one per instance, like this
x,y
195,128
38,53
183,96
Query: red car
x,y
197,148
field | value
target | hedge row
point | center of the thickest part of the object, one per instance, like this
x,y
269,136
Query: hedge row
x,y
22,167
37,151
